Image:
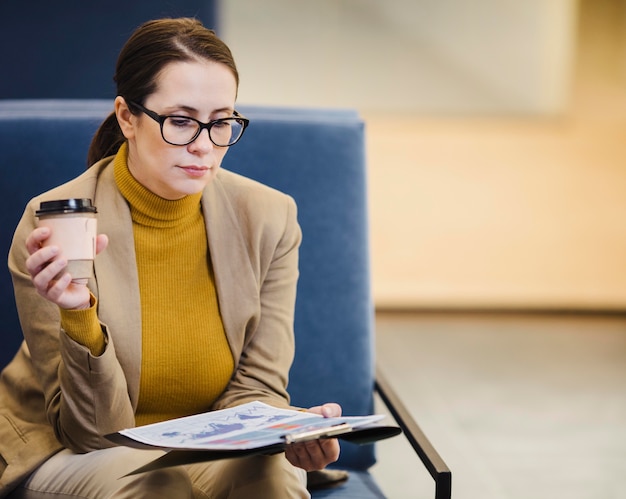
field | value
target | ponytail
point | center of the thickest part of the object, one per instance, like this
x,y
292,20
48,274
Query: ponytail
x,y
106,141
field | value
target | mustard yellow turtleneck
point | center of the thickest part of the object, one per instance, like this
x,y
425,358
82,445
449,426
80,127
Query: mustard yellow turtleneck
x,y
186,360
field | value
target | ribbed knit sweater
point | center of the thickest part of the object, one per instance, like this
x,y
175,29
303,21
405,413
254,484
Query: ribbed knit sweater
x,y
186,360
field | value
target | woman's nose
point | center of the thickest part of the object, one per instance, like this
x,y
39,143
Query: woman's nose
x,y
202,143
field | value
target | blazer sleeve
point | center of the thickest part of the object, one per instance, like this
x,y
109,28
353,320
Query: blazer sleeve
x,y
85,396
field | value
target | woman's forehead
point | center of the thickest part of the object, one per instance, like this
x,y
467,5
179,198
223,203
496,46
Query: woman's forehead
x,y
197,83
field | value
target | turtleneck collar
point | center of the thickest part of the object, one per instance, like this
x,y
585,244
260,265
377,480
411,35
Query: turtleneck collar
x,y
146,207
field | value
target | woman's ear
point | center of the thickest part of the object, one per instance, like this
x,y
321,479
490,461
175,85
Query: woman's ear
x,y
125,118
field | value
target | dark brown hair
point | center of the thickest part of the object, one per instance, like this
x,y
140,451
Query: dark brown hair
x,y
149,49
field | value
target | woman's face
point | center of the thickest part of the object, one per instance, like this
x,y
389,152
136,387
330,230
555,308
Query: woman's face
x,y
204,90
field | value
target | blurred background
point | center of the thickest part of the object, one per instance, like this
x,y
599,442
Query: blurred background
x,y
496,138
496,150
495,128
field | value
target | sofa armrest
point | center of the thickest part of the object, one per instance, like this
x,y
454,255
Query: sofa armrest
x,y
421,445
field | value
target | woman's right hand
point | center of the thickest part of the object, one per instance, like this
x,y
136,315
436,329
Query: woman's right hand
x,y
44,265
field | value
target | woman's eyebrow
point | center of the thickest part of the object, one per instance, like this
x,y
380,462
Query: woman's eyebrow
x,y
228,110
191,109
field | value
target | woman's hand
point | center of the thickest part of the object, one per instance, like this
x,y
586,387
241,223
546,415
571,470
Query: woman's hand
x,y
316,454
44,265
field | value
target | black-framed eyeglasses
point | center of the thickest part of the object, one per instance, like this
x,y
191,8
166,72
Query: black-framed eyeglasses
x,y
183,130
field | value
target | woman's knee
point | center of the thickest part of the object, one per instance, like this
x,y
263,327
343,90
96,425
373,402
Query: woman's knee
x,y
165,483
258,476
271,477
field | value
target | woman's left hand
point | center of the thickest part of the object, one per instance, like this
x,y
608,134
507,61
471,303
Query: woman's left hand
x,y
316,454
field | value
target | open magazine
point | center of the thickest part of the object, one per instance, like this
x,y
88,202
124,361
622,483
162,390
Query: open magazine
x,y
248,429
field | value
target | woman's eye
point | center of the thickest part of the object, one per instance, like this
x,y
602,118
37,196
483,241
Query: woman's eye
x,y
222,124
181,122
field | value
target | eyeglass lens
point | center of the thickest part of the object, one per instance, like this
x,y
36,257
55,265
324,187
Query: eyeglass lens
x,y
181,131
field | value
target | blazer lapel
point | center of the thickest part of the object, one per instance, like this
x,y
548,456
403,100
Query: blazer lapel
x,y
235,279
119,306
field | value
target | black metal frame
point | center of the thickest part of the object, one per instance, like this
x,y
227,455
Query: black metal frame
x,y
431,459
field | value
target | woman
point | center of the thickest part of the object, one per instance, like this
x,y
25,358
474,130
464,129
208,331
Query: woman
x,y
191,304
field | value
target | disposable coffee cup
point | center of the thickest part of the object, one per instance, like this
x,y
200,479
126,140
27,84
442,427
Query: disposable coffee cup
x,y
73,228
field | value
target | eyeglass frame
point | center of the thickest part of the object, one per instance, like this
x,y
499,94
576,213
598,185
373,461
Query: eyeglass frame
x,y
160,119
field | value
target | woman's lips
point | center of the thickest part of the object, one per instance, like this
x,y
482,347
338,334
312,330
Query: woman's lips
x,y
194,171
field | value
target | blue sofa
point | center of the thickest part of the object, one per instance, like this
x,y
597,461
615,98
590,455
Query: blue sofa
x,y
317,156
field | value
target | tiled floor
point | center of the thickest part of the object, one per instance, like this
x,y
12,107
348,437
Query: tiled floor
x,y
519,406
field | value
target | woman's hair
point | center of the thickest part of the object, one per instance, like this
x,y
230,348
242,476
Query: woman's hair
x,y
154,45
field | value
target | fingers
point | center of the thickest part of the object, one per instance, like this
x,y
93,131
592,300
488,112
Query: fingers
x,y
54,289
43,261
314,454
42,257
36,238
102,241
328,410
54,284
331,410
322,452
46,267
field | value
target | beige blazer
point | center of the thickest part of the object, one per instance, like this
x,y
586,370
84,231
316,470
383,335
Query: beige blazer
x,y
54,394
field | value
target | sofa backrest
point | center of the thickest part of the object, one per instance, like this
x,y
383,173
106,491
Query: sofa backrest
x,y
317,156
68,49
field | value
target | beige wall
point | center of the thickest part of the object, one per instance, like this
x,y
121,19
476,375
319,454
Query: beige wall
x,y
502,182
421,56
